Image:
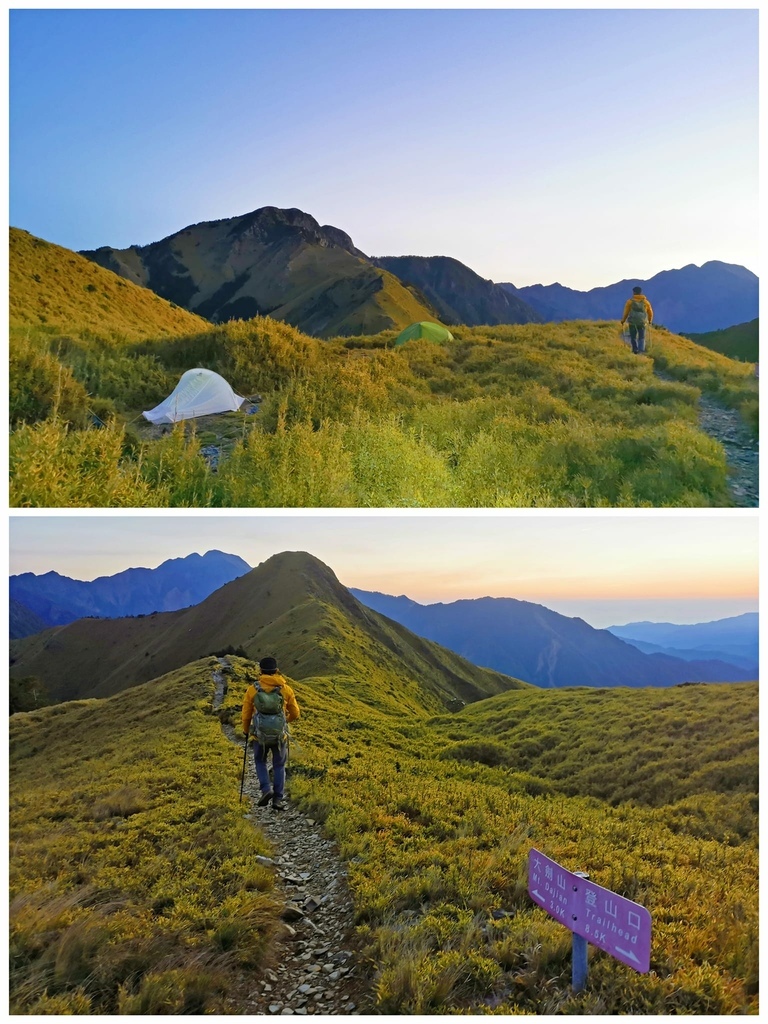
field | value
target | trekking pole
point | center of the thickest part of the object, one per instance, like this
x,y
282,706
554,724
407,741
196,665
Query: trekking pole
x,y
242,780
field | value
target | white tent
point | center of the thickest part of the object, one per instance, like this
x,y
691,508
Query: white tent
x,y
198,393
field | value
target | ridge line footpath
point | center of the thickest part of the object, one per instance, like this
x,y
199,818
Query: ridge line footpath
x,y
314,965
742,452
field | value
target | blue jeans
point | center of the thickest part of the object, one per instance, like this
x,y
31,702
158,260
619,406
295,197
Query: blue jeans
x,y
637,337
279,757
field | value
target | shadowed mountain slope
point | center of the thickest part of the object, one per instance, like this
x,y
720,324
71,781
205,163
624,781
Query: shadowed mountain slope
x,y
706,298
176,583
543,647
23,621
278,263
293,607
459,295
742,341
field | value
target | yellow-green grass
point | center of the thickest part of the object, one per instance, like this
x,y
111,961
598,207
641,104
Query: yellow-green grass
x,y
133,883
675,743
437,847
731,381
54,287
551,415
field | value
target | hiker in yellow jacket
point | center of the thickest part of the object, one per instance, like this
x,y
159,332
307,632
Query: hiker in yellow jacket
x,y
638,312
271,704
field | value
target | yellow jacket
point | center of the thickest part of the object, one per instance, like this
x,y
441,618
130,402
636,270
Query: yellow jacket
x,y
637,298
268,683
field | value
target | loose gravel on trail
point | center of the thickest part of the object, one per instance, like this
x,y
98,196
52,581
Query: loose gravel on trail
x,y
740,446
741,449
314,966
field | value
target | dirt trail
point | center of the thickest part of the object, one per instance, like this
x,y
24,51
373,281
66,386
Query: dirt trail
x,y
741,448
315,966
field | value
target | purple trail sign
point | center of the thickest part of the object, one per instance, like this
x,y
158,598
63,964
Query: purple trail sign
x,y
609,921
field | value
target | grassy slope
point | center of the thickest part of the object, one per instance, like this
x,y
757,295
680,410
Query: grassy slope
x,y
132,879
55,287
293,606
366,299
671,741
438,844
554,414
437,849
741,341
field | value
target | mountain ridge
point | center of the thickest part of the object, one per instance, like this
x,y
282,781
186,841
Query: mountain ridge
x,y
459,295
175,583
735,638
269,262
291,606
283,263
682,299
543,647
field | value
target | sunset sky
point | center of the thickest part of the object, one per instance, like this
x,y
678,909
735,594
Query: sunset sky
x,y
579,146
607,569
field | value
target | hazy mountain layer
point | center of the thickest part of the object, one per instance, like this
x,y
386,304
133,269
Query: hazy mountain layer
x,y
176,583
292,607
733,639
280,263
541,646
23,621
706,298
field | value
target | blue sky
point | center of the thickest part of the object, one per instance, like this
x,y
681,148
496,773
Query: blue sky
x,y
608,569
583,146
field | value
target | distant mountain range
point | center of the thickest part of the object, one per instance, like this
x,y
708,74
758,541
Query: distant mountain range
x,y
520,639
705,298
735,640
55,600
284,264
543,647
291,607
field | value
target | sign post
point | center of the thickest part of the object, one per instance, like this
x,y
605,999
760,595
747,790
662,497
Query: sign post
x,y
579,954
594,914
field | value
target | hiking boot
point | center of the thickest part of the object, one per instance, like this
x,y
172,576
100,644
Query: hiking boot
x,y
278,803
265,798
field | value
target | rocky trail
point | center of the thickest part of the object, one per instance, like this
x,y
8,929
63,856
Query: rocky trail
x,y
315,966
741,448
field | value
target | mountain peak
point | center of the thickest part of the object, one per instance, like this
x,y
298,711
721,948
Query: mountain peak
x,y
270,225
292,607
270,262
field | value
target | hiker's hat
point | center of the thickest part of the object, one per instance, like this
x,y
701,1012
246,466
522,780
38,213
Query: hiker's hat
x,y
637,290
268,665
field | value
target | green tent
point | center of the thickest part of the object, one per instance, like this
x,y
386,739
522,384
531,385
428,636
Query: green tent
x,y
425,329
